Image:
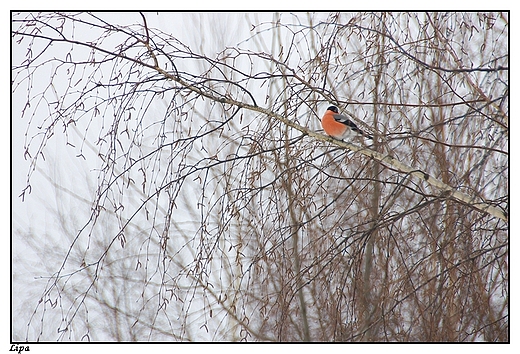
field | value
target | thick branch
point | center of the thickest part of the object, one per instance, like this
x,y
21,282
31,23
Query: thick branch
x,y
384,159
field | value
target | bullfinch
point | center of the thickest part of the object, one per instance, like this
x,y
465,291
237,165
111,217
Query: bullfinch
x,y
339,126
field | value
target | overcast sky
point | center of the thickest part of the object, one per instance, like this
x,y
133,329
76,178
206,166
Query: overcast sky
x,y
61,163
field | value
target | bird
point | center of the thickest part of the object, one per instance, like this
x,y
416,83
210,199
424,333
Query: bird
x,y
339,126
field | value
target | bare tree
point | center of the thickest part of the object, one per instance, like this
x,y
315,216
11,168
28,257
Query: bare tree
x,y
220,210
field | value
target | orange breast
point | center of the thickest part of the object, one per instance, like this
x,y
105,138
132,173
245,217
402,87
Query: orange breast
x,y
332,127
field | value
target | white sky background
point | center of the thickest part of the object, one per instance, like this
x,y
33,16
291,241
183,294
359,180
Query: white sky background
x,y
63,167
34,211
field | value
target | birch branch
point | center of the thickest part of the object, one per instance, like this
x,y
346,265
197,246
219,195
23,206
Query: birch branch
x,y
384,159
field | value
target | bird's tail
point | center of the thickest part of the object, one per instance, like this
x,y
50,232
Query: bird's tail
x,y
360,132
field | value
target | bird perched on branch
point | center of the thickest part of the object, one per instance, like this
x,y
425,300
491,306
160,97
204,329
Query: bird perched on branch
x,y
339,126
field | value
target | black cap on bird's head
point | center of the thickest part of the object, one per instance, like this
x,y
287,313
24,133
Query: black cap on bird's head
x,y
333,109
